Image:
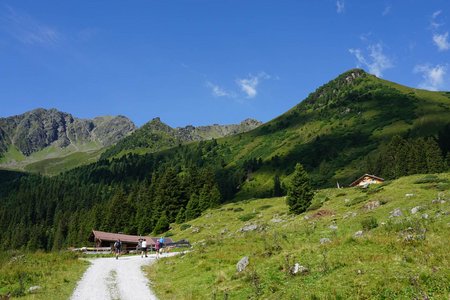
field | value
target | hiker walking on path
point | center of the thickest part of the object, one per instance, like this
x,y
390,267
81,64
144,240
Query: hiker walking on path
x,y
117,248
157,248
161,244
143,247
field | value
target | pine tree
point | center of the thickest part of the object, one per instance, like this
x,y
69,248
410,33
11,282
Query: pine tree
x,y
277,190
193,209
300,192
162,225
181,216
434,159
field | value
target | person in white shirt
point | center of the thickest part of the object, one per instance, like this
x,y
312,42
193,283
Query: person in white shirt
x,y
144,248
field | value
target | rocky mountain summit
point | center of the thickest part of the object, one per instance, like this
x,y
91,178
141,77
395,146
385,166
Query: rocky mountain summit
x,y
192,133
156,135
40,128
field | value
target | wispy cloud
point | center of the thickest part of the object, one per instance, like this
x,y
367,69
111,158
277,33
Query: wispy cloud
x,y
25,29
250,84
434,23
377,62
218,91
387,10
441,41
340,6
433,76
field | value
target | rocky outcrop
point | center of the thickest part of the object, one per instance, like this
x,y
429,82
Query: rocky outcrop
x,y
191,133
40,128
156,135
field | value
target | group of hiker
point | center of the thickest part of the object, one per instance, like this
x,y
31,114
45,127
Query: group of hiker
x,y
141,247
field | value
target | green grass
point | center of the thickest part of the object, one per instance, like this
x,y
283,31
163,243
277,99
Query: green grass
x,y
56,274
396,258
54,166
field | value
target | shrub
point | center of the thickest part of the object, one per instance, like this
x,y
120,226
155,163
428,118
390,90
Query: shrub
x,y
429,179
357,200
185,226
369,223
314,206
247,217
264,207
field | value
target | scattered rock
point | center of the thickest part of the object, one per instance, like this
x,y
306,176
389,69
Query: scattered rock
x,y
359,272
333,227
247,228
34,289
242,264
372,205
306,217
349,214
438,201
325,241
409,195
223,231
358,234
425,216
299,269
346,200
276,220
195,229
415,209
396,213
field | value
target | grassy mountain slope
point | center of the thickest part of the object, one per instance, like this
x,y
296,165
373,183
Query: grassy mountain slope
x,y
404,257
335,129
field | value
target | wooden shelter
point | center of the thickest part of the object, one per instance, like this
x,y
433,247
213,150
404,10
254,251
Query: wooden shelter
x,y
107,239
129,242
366,180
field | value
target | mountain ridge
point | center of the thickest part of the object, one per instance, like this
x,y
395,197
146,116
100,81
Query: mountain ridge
x,y
155,136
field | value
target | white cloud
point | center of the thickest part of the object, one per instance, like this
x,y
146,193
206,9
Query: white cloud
x,y
27,30
441,41
218,91
378,61
433,77
340,6
434,23
250,84
386,11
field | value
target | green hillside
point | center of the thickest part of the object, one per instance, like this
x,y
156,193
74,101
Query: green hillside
x,y
335,129
394,257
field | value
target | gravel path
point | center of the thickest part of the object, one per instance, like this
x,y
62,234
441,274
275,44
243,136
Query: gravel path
x,y
108,278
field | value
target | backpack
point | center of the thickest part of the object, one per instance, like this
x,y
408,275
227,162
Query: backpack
x,y
117,244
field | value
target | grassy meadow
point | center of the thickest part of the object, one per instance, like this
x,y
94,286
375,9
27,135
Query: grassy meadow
x,y
55,273
396,257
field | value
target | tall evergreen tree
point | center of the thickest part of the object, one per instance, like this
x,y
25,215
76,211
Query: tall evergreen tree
x,y
277,190
300,192
162,225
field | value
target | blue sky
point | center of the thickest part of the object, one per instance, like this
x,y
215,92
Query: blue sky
x,y
208,61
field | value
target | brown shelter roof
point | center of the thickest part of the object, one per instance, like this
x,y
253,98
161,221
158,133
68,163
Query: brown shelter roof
x,y
365,175
112,237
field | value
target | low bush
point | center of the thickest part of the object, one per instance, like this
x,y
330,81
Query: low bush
x,y
369,223
185,226
247,217
356,200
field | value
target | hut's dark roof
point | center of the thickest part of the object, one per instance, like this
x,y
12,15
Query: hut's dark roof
x,y
362,177
112,237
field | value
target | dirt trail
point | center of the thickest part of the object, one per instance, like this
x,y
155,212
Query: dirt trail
x,y
108,278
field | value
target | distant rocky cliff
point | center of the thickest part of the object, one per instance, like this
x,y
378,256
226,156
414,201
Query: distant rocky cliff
x,y
156,135
37,129
192,133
